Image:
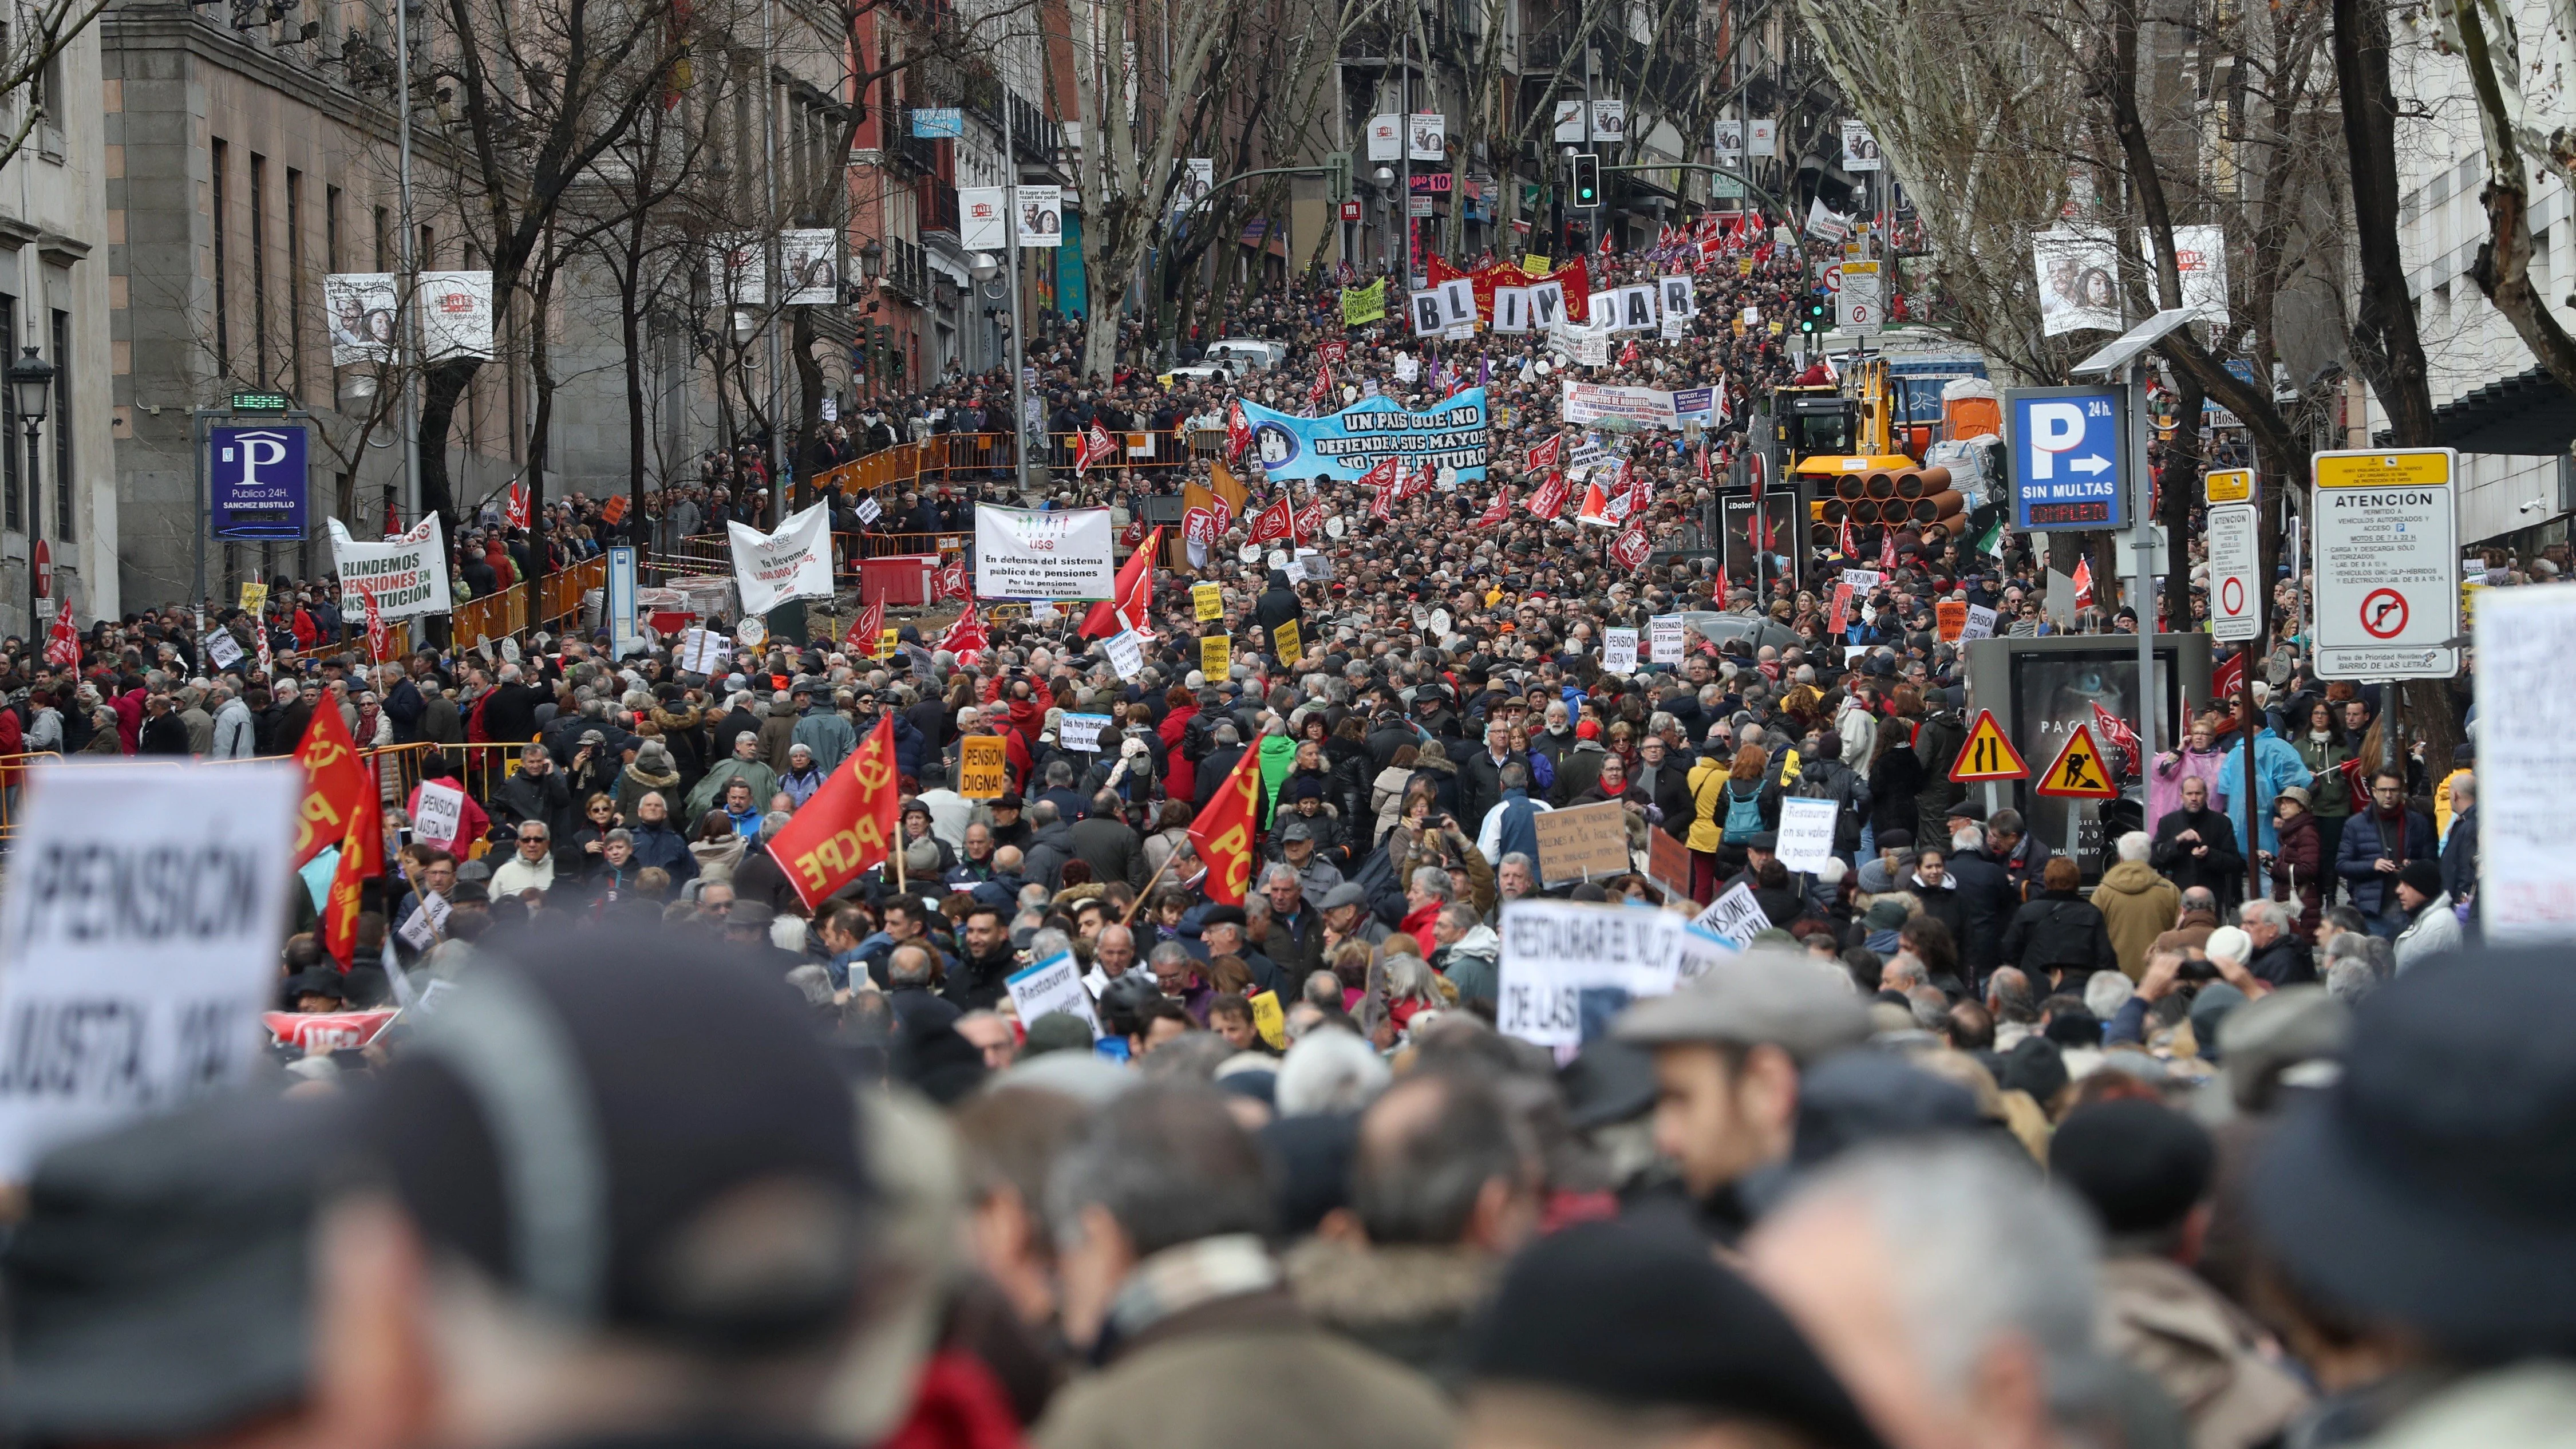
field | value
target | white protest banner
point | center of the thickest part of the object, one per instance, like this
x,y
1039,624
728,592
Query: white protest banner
x,y
1081,731
1734,917
439,814
2526,766
1618,651
1646,407
1126,653
1026,553
1053,985
1807,833
1981,623
140,925
408,578
794,563
1862,580
1664,638
223,648
1568,968
702,651
455,315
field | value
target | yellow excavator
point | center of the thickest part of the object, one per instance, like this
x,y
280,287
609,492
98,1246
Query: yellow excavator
x,y
1837,445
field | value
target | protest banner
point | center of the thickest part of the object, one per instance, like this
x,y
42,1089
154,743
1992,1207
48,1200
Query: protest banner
x,y
1980,623
1081,732
2526,787
321,1033
1216,656
1618,651
1643,407
1347,444
1026,553
1664,638
1052,985
769,569
1734,917
1582,842
983,767
439,814
142,915
1806,834
1568,968
407,576
1126,653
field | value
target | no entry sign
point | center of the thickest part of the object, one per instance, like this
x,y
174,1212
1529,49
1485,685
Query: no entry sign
x,y
2387,551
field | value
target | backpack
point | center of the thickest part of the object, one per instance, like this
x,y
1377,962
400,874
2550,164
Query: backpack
x,y
1743,815
1841,792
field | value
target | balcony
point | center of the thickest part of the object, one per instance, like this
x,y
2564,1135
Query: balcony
x,y
938,206
1034,138
907,269
919,152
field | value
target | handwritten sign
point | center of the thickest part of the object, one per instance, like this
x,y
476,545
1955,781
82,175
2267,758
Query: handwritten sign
x,y
1126,653
1979,624
1734,917
439,814
1567,969
1618,651
983,767
1052,985
1807,833
1664,638
1207,601
1583,842
1081,731
1952,617
1216,656
1290,647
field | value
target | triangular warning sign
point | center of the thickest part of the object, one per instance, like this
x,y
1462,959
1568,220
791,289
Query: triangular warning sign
x,y
2077,773
1987,755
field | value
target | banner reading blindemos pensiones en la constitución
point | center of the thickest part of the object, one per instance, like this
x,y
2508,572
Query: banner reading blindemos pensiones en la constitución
x,y
407,574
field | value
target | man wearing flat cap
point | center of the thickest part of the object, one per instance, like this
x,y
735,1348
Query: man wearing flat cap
x,y
1728,1049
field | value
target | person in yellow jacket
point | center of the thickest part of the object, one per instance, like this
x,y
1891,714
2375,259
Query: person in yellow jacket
x,y
1707,785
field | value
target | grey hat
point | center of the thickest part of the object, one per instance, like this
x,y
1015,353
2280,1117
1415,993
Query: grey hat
x,y
1764,996
1348,893
1296,830
2271,1034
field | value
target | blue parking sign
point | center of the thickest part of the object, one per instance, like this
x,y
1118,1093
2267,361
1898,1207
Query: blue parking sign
x,y
2070,460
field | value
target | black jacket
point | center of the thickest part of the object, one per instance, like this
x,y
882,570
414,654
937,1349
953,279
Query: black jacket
x,y
1278,605
1046,855
1480,786
2222,870
1987,901
2060,929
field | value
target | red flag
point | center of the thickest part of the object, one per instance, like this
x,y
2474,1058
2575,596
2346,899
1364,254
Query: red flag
x,y
1135,531
1132,595
2116,735
1310,520
379,638
362,858
1090,447
1381,475
1222,833
1839,621
866,631
2084,583
2228,679
1578,289
950,582
1887,546
1272,523
1629,550
62,642
1198,528
1545,455
1382,502
849,824
515,509
966,638
1628,355
337,784
1847,545
1596,505
1323,387
1549,500
1501,509
1238,433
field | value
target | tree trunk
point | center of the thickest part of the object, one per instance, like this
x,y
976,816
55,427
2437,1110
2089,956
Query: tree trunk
x,y
809,413
2387,349
2181,477
630,323
445,388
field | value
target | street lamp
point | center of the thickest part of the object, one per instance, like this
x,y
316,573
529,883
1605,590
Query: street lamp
x,y
31,385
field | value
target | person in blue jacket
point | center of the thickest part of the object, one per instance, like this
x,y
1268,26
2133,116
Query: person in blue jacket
x,y
2376,844
2277,767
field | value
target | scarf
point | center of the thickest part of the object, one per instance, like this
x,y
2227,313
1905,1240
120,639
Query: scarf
x,y
1181,1278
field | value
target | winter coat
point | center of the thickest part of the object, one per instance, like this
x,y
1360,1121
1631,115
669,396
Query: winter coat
x,y
1576,770
1895,778
2222,870
2060,930
1480,783
1936,747
1411,1303
1048,850
2328,793
1470,963
2276,768
1987,902
2434,931
829,737
2207,1354
711,790
2298,861
656,843
2366,841
2137,905
636,782
1833,780
1180,777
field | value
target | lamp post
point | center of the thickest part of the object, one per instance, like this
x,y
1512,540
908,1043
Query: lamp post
x,y
31,384
1385,178
987,271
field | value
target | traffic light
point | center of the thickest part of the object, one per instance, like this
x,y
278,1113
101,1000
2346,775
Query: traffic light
x,y
1337,176
1587,179
1816,317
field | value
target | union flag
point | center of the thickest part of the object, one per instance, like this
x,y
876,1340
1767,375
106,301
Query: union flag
x,y
1222,833
337,785
848,826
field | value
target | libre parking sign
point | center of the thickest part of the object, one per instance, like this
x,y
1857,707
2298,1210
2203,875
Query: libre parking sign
x,y
2070,462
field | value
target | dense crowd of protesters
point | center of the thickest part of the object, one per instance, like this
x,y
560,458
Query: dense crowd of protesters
x,y
1960,1150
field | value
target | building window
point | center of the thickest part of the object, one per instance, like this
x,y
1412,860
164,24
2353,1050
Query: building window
x,y
261,374
383,235
295,279
66,511
223,293
331,227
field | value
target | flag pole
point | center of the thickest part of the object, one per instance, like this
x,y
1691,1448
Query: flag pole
x,y
1138,903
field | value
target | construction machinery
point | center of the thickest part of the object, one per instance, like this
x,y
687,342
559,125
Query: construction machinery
x,y
1843,448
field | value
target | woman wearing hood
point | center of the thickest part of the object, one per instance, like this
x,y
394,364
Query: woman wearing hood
x,y
1180,779
652,771
719,847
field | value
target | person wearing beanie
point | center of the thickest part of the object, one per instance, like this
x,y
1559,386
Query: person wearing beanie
x,y
1629,1333
2432,927
2146,1171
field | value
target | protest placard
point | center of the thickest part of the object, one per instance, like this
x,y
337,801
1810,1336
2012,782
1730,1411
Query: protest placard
x,y
1059,553
1980,623
1126,653
426,926
1081,731
142,914
1216,656
983,767
1052,985
1618,651
1668,863
1807,833
438,814
1568,968
702,651
1583,842
1664,638
1734,917
1207,602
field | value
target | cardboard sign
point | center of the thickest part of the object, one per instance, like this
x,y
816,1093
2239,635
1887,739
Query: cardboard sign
x,y
424,927
1216,656
254,597
1952,617
1126,653
702,651
324,1032
1268,1019
1052,985
439,815
143,910
1987,755
1081,731
2077,772
983,767
1583,842
1980,624
1806,834
1668,863
1734,917
1664,638
1207,601
1290,647
1618,651
223,649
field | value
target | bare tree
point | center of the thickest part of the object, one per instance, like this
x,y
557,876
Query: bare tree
x,y
31,37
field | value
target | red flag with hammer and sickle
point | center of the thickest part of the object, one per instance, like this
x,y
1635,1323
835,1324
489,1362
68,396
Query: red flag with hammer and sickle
x,y
848,826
